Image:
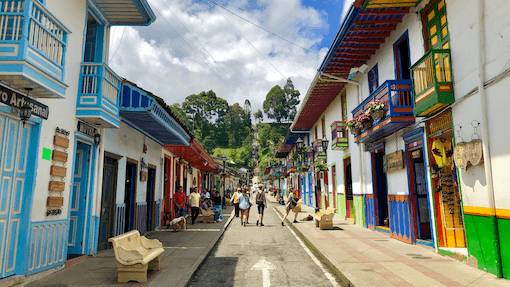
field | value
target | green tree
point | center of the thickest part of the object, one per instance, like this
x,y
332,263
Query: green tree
x,y
291,98
176,108
259,116
274,104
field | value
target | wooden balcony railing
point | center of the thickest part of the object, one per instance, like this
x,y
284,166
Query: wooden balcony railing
x,y
432,82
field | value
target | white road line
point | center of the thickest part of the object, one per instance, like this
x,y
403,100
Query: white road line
x,y
321,266
264,266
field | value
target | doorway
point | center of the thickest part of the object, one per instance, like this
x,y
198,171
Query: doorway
x,y
79,199
151,182
108,198
310,189
93,52
130,195
402,58
349,210
422,199
380,188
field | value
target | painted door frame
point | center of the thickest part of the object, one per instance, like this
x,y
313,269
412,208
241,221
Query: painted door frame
x,y
113,197
347,161
78,136
374,184
334,182
22,253
397,56
151,204
132,221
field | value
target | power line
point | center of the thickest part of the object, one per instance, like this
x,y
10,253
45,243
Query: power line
x,y
194,51
226,73
284,77
288,41
121,37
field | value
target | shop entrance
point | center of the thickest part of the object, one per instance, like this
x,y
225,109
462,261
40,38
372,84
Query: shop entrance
x,y
151,183
130,195
380,188
109,195
333,178
349,210
17,163
422,199
77,226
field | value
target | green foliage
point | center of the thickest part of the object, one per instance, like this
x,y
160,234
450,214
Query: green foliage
x,y
176,108
281,104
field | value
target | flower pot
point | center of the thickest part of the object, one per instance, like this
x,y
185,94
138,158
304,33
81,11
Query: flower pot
x,y
378,115
355,131
367,124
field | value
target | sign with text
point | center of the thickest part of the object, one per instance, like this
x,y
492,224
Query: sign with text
x,y
395,161
15,100
86,129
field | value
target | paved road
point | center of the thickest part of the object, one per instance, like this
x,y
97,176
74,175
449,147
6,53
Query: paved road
x,y
231,261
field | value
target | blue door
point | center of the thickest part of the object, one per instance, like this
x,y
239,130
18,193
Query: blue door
x,y
79,199
14,192
310,189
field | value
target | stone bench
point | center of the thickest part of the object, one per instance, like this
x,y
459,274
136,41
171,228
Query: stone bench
x,y
136,254
324,219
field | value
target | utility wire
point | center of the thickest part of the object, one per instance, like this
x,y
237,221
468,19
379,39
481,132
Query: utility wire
x,y
284,77
288,41
226,73
194,50
121,37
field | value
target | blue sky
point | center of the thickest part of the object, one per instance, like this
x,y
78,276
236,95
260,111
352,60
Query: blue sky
x,y
195,46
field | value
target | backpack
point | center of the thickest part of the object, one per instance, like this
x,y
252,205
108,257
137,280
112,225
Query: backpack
x,y
260,198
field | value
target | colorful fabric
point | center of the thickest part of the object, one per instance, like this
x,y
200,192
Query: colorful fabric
x,y
179,197
442,152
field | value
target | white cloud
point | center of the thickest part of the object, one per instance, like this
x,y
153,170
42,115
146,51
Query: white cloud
x,y
347,6
158,60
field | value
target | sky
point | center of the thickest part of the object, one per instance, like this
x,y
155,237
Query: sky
x,y
195,46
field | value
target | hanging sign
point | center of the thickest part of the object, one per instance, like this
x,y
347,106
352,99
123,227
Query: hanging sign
x,y
395,161
468,154
86,129
16,100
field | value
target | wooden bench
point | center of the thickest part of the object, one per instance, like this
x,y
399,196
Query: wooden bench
x,y
324,219
135,254
207,215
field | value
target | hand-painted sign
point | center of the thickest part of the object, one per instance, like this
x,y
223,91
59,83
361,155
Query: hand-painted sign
x,y
13,99
468,153
395,161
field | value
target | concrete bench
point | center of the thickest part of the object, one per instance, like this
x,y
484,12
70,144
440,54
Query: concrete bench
x,y
207,215
324,219
135,254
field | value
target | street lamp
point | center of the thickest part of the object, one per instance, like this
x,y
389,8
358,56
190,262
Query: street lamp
x,y
300,143
325,143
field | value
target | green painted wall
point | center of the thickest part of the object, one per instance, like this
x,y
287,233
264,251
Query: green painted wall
x,y
358,210
482,242
504,245
341,205
330,201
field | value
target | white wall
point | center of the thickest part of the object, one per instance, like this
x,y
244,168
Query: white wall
x,y
62,111
128,142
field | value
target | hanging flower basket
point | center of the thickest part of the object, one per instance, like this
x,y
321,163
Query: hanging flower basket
x,y
378,115
367,124
355,131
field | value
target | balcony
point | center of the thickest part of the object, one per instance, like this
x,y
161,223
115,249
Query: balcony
x,y
98,95
319,153
32,48
339,138
397,96
432,83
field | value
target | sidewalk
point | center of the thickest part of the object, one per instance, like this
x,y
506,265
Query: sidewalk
x,y
184,253
362,257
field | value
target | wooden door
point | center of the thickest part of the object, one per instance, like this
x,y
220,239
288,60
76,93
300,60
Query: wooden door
x,y
109,195
130,197
151,182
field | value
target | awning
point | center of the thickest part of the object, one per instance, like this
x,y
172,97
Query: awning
x,y
359,37
127,12
288,143
195,154
142,111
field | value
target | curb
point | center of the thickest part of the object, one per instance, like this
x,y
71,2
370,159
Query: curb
x,y
186,278
318,253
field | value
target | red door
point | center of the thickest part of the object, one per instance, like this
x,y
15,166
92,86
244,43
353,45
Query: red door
x,y
326,189
333,175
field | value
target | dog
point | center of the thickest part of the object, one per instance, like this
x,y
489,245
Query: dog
x,y
178,224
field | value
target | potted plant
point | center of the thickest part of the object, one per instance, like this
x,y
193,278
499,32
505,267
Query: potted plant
x,y
351,125
376,109
320,166
366,120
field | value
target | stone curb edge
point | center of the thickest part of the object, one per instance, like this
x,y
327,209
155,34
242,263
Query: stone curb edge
x,y
186,278
318,254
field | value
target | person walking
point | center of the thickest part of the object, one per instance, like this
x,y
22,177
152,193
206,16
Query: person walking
x,y
217,203
260,199
195,199
235,201
252,202
291,204
244,205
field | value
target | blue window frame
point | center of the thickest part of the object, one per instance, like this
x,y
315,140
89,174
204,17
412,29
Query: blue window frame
x,y
373,79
